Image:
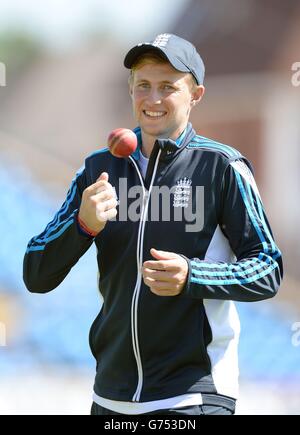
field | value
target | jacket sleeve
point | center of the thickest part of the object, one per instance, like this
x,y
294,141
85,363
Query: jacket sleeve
x,y
51,255
257,273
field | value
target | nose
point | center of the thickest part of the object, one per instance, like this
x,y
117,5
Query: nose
x,y
154,96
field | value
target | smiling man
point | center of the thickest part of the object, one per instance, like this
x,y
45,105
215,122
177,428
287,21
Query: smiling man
x,y
162,98
166,339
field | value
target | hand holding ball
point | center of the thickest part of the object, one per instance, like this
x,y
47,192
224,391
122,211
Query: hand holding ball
x,y
122,142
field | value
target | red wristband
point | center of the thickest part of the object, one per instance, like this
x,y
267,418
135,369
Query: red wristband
x,y
85,228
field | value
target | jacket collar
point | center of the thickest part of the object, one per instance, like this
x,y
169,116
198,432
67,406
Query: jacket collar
x,y
169,148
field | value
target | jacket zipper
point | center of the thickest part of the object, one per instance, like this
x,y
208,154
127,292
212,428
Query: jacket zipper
x,y
136,293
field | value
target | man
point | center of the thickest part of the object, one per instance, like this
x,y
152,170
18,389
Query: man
x,y
166,338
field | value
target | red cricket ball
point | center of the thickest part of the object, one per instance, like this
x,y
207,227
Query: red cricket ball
x,y
122,142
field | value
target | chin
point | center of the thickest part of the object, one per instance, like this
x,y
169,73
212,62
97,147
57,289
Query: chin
x,y
154,131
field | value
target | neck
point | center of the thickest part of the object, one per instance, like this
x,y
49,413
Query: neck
x,y
148,141
147,144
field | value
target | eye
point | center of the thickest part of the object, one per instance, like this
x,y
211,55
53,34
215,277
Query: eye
x,y
168,88
143,85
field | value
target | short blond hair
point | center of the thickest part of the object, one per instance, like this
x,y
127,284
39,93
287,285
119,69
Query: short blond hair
x,y
153,57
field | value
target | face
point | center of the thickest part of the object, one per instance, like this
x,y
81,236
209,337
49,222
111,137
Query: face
x,y
162,99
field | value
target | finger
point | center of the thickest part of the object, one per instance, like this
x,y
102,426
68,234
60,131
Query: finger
x,y
161,289
104,195
162,265
107,205
162,255
106,215
111,214
103,177
99,186
160,285
159,275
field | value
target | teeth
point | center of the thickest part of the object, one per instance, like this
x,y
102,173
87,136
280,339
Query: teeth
x,y
154,114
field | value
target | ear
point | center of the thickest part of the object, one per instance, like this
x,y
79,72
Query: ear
x,y
197,94
130,85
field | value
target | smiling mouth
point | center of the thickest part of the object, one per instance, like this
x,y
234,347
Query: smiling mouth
x,y
154,115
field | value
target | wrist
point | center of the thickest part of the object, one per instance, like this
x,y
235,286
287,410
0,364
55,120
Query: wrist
x,y
186,286
85,229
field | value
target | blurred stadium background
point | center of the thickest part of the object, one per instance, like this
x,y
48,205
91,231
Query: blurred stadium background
x,y
65,90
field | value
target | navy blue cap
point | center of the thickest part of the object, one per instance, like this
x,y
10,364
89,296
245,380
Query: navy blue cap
x,y
181,54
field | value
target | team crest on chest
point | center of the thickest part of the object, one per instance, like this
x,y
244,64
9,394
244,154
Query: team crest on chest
x,y
182,192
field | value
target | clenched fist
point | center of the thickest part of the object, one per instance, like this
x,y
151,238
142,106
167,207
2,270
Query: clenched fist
x,y
98,204
167,274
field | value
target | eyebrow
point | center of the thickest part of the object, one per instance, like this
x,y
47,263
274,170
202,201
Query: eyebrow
x,y
165,82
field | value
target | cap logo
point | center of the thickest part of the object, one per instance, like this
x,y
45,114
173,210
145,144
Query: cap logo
x,y
161,40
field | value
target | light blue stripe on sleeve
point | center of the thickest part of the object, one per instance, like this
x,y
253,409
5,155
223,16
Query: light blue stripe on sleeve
x,y
226,265
55,236
250,212
235,281
52,226
217,145
261,236
234,274
262,218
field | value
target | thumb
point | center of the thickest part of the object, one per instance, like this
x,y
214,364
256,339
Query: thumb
x,y
103,177
162,255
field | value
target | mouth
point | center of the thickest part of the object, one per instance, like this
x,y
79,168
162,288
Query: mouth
x,y
154,115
